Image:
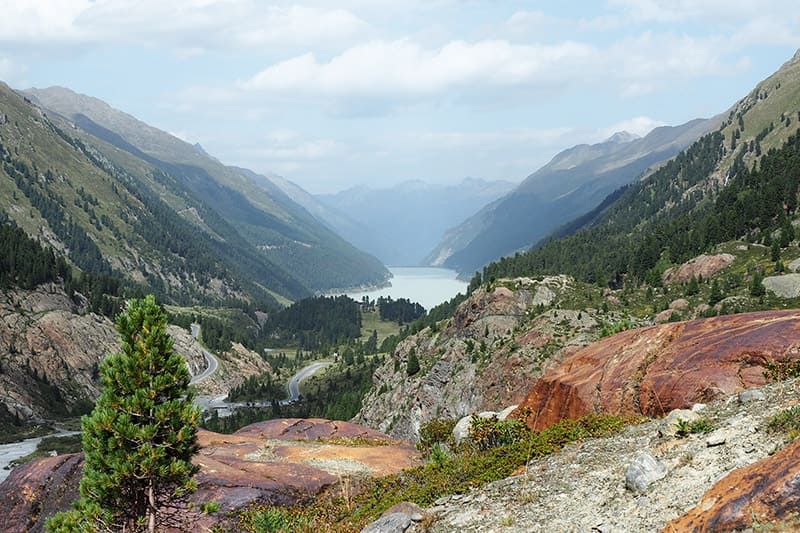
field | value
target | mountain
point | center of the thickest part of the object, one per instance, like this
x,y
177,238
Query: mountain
x,y
572,183
106,217
263,217
400,224
738,182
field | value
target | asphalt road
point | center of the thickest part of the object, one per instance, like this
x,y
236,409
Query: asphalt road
x,y
212,361
304,373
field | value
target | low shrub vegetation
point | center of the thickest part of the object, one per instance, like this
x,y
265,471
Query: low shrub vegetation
x,y
787,421
505,447
686,428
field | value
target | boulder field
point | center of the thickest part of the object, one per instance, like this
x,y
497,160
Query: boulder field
x,y
278,462
651,371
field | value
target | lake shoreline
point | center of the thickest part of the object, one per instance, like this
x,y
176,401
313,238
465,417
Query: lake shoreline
x,y
428,286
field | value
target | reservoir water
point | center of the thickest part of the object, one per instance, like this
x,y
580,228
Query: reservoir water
x,y
426,285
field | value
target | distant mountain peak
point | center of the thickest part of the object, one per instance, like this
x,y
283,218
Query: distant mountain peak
x,y
622,137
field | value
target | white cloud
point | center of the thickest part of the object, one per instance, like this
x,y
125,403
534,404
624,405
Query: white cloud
x,y
404,67
495,139
189,25
711,10
404,70
34,20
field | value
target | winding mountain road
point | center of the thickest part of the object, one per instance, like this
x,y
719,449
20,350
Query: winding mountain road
x,y
213,362
304,373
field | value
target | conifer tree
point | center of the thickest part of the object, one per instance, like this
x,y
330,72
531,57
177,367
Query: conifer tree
x,y
141,436
413,363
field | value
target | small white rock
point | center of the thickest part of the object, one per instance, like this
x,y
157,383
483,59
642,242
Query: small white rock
x,y
718,438
752,395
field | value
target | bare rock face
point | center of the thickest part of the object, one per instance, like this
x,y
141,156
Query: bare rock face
x,y
50,349
786,286
703,266
766,491
484,359
36,491
653,370
280,462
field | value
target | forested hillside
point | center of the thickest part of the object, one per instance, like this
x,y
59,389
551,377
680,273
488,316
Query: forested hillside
x,y
739,182
571,184
108,221
226,202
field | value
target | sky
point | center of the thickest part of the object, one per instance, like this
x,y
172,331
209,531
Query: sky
x,y
336,94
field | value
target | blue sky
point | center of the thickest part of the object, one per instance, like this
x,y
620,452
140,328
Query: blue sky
x,y
334,94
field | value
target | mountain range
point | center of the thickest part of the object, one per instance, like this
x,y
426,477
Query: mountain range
x,y
400,224
160,210
575,181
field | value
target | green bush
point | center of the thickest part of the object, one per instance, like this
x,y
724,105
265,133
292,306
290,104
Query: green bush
x,y
609,329
440,454
210,507
787,421
273,520
782,370
486,433
437,430
686,427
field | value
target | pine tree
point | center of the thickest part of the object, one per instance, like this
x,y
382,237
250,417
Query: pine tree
x,y
716,294
413,363
775,252
141,436
756,288
693,287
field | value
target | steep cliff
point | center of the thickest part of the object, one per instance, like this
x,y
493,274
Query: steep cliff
x,y
484,358
51,348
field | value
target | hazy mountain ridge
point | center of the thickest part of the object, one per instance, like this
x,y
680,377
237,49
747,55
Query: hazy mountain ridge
x,y
400,224
571,184
261,213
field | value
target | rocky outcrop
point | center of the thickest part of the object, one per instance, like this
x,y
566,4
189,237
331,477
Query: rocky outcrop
x,y
235,365
654,370
583,487
483,359
51,347
786,286
280,462
767,491
703,266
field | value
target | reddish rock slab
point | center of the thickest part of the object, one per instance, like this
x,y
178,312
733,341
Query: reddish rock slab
x,y
280,462
763,492
34,492
654,370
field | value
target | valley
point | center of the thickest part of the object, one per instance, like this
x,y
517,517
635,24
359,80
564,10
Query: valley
x,y
192,340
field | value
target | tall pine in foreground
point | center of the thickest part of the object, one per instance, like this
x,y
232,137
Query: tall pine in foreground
x,y
141,436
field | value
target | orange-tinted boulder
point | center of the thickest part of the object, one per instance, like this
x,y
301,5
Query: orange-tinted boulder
x,y
654,370
279,462
763,492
